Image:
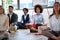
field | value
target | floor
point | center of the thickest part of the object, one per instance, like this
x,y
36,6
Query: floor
x,y
25,35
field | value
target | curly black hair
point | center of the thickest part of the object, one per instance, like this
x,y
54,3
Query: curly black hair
x,y
38,6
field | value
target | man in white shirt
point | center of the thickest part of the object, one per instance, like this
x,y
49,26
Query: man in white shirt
x,y
25,19
13,18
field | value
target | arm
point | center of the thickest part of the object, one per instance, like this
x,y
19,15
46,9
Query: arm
x,y
28,18
7,24
34,29
21,19
31,28
48,33
33,22
43,20
15,20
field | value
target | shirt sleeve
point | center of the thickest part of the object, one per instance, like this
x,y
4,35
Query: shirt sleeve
x,y
31,20
42,20
50,23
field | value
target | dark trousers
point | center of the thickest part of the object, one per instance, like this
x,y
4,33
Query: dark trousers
x,y
21,25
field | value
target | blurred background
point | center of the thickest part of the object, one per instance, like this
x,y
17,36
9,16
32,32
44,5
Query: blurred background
x,y
20,4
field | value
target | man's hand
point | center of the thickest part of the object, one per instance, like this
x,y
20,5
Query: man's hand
x,y
12,24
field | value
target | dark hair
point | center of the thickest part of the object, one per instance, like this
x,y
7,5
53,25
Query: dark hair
x,y
25,9
51,15
38,6
53,10
11,6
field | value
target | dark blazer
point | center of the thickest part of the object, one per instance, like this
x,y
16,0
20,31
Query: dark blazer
x,y
26,20
14,18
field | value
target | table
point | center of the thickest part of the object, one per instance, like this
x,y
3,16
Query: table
x,y
26,35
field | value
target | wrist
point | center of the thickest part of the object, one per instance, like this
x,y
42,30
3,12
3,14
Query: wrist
x,y
6,30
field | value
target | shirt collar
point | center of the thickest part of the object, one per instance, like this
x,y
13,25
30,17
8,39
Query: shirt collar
x,y
26,14
11,13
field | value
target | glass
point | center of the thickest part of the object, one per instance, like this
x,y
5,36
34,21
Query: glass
x,y
26,4
51,2
13,3
0,2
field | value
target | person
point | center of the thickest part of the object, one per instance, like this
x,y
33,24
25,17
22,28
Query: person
x,y
37,18
4,24
13,18
24,20
54,31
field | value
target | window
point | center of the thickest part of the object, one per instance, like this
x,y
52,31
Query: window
x,y
41,2
44,3
26,4
6,3
0,2
15,4
51,2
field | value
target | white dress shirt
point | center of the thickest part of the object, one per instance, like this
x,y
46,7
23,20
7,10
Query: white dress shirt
x,y
25,16
10,15
55,23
